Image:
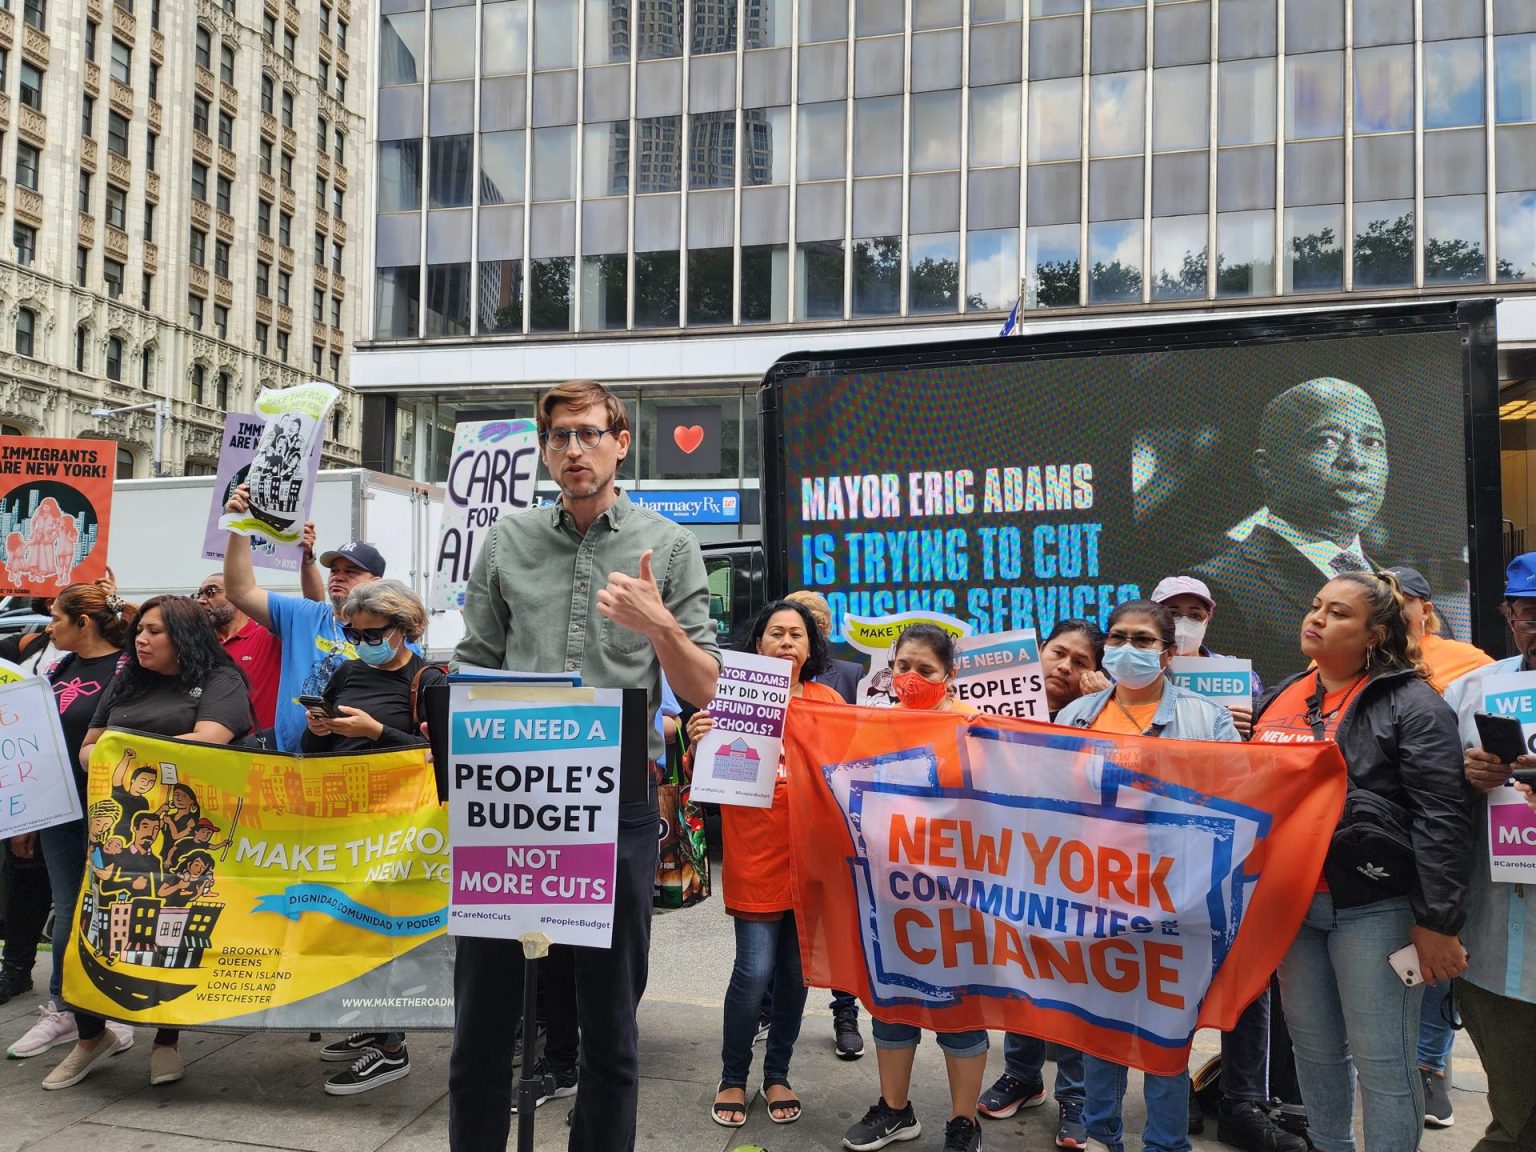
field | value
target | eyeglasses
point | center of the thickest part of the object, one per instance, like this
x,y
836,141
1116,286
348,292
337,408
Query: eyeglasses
x,y
1519,625
559,439
208,592
1142,640
367,635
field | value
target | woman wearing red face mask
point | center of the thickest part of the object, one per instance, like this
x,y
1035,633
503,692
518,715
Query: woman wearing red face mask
x,y
755,878
923,671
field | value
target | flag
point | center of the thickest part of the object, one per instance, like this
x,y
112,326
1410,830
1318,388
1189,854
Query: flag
x,y
1110,893
1011,325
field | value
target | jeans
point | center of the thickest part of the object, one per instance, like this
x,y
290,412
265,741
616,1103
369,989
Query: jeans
x,y
1350,1016
1282,1057
1167,1099
1024,1059
972,1042
64,853
1245,1055
767,952
1436,1033
488,995
1504,1032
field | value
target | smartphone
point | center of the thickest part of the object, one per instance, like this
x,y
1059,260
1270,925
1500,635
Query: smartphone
x,y
1502,735
1405,962
317,704
1525,775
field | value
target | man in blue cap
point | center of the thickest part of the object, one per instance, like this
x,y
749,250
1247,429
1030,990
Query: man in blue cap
x,y
1497,993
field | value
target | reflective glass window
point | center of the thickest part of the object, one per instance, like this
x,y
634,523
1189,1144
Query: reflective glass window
x,y
877,136
765,283
877,276
1245,94
1384,244
604,292
991,269
1517,236
933,273
551,305
402,43
554,35
823,20
1453,83
1052,266
658,36
554,168
878,17
935,131
818,280
658,155
447,300
605,161
713,27
821,141
501,168
712,150
399,175
658,280
1179,247
765,146
1384,89
1114,261
501,295
1055,119
710,274
1455,251
397,302
994,125
1118,114
452,169
1314,95
996,11
504,40
453,43
1181,108
1314,248
1245,261
1514,78
766,24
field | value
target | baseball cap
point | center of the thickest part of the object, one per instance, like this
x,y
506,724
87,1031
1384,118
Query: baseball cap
x,y
1171,586
208,824
358,552
1520,577
1412,582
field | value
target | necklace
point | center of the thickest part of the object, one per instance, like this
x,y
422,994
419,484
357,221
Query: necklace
x,y
1322,696
1135,723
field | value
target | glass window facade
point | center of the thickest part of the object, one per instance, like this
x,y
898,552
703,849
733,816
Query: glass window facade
x,y
644,164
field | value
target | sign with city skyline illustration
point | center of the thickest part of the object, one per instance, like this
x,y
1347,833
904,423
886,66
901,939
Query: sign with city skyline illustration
x,y
55,509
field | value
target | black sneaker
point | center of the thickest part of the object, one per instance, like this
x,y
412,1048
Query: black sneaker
x,y
348,1050
370,1070
962,1134
1071,1132
1246,1125
1196,1114
883,1125
845,1027
14,982
1437,1099
764,1022
1008,1094
555,1084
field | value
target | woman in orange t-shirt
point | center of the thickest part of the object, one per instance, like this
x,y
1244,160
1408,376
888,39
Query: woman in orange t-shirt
x,y
755,878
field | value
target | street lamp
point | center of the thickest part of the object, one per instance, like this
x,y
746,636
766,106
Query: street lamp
x,y
162,410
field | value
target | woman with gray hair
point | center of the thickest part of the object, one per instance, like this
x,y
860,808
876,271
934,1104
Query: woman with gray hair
x,y
367,706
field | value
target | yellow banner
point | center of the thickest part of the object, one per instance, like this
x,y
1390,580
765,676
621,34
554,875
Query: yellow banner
x,y
251,889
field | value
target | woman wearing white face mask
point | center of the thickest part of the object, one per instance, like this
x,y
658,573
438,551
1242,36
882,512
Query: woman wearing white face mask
x,y
1189,602
1138,647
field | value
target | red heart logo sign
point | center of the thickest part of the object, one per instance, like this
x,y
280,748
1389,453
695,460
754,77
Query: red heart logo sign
x,y
689,438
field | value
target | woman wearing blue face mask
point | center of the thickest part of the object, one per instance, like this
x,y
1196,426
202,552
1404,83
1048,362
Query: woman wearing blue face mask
x,y
1138,647
368,701
368,706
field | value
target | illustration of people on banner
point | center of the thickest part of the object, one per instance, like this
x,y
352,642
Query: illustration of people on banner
x,y
280,486
252,889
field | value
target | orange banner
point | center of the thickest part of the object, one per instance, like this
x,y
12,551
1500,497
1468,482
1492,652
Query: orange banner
x,y
55,508
1112,893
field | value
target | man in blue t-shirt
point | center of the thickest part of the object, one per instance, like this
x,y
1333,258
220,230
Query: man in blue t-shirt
x,y
310,630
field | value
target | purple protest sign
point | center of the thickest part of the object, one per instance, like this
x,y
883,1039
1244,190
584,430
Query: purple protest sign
x,y
237,448
737,761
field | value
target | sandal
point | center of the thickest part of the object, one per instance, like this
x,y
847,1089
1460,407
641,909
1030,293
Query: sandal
x,y
789,1104
721,1111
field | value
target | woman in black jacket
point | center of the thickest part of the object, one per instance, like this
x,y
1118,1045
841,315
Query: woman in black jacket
x,y
1403,884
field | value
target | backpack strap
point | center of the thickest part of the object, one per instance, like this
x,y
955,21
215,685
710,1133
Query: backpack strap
x,y
416,694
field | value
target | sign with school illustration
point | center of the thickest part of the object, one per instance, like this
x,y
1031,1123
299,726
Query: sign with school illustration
x,y
240,888
37,780
533,811
55,509
492,472
1001,673
293,426
876,636
1511,822
1226,680
237,451
737,761
1112,893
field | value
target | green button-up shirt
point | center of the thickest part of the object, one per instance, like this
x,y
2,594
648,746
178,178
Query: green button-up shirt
x,y
531,602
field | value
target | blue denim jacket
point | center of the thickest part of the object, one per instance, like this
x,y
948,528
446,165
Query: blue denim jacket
x,y
1181,715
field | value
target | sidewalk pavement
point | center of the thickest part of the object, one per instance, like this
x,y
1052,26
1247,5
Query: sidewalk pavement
x,y
264,1091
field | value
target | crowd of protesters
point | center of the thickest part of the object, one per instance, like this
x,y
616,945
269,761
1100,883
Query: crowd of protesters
x,y
562,588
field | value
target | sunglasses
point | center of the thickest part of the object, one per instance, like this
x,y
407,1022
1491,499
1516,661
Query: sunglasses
x,y
367,635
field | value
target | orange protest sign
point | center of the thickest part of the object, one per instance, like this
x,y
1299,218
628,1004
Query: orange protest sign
x,y
1113,893
55,507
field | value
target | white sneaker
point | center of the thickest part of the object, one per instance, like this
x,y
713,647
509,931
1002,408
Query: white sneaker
x,y
56,1027
78,1064
124,1034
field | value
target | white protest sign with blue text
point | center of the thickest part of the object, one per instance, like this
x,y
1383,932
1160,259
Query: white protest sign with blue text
x,y
1001,673
37,779
1225,679
1511,823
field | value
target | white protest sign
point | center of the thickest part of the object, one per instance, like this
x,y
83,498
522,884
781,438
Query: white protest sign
x,y
1223,679
1511,822
37,778
737,761
533,811
1001,673
877,636
279,480
491,473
